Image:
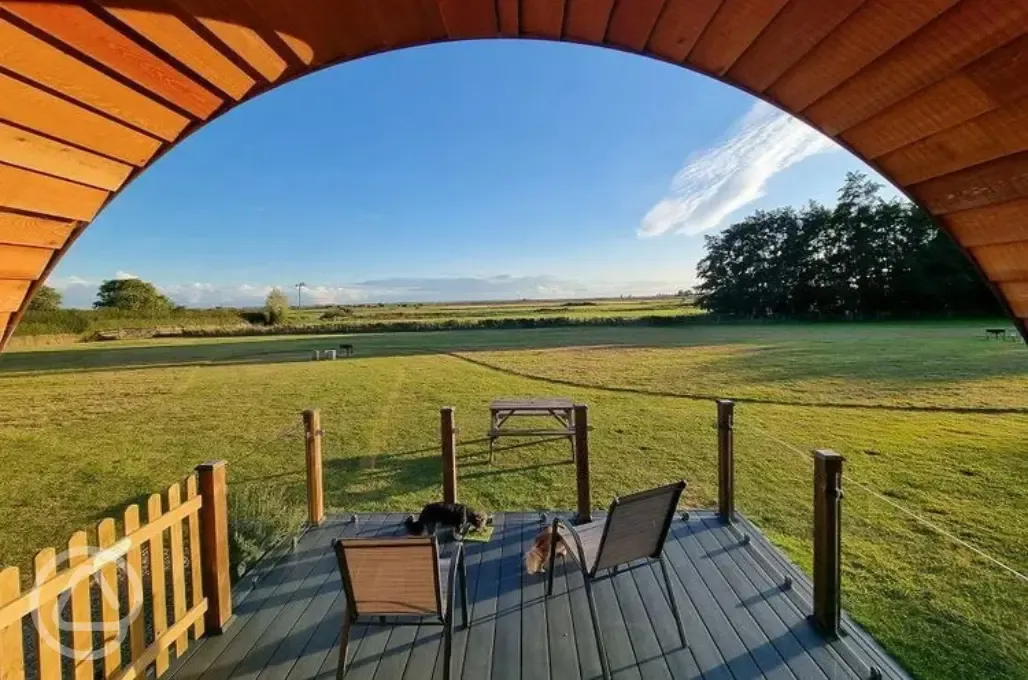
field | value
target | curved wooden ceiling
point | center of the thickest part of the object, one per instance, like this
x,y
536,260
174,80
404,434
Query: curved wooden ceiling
x,y
932,93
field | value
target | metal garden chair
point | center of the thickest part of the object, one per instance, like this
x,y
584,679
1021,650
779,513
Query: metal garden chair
x,y
400,577
635,528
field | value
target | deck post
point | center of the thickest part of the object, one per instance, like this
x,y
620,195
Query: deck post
x,y
725,460
582,464
827,541
214,564
315,474
448,438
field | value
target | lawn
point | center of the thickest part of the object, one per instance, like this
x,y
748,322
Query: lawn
x,y
930,416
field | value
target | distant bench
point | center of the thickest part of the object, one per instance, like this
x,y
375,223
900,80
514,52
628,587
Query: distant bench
x,y
1000,334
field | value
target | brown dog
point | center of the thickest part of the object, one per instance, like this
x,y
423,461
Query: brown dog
x,y
537,558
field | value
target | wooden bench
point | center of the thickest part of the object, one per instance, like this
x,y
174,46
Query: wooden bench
x,y
560,410
998,333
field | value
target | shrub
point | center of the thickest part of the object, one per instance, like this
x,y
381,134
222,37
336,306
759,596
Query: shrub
x,y
276,308
46,299
259,518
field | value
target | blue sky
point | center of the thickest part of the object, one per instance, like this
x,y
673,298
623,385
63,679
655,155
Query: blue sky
x,y
475,170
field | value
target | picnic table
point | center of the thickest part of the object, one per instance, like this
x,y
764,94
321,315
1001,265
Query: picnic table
x,y
1001,334
501,411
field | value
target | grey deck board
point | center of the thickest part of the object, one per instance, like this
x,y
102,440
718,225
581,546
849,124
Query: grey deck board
x,y
478,657
535,644
740,623
560,627
648,655
760,647
507,639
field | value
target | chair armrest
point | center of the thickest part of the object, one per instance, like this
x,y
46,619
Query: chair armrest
x,y
557,524
457,562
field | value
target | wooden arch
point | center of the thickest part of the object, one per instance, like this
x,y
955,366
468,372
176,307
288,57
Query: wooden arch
x,y
932,93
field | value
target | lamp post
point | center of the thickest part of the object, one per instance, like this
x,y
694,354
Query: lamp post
x,y
299,295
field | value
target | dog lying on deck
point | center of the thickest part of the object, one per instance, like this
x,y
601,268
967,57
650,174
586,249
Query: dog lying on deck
x,y
456,515
538,556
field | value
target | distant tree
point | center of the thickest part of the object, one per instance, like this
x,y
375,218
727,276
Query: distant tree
x,y
47,299
276,307
865,257
132,295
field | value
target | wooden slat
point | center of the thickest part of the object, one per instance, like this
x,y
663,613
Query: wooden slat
x,y
5,318
1016,293
160,22
1000,132
195,574
507,11
160,646
867,34
71,22
106,536
234,22
63,581
631,24
157,579
48,654
542,18
33,108
409,22
178,568
998,77
357,31
1003,223
996,182
30,57
26,190
81,616
134,565
1004,262
734,27
586,20
680,26
35,152
12,653
297,24
469,18
797,29
27,230
22,262
11,295
955,39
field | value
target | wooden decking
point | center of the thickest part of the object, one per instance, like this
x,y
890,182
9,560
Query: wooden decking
x,y
740,621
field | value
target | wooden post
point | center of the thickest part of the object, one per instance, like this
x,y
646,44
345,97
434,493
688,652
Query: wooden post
x,y
827,541
217,582
448,437
582,463
315,474
725,460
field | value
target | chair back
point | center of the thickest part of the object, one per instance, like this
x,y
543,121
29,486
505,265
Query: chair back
x,y
637,526
390,576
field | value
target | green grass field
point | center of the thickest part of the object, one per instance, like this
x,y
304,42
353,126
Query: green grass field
x,y
931,416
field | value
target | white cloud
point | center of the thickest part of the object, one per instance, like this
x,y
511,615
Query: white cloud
x,y
79,292
717,181
121,276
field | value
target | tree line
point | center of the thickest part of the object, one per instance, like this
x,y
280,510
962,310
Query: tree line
x,y
867,257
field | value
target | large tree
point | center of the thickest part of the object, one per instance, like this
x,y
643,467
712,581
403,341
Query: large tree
x,y
132,295
867,256
46,299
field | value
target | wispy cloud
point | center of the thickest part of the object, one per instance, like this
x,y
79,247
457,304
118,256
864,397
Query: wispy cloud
x,y
717,181
80,292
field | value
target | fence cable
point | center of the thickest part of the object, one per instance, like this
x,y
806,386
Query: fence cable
x,y
909,513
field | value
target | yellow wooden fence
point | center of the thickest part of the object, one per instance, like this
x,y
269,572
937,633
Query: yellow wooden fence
x,y
147,593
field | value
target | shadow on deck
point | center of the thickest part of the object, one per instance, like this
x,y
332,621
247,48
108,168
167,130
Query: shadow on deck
x,y
740,620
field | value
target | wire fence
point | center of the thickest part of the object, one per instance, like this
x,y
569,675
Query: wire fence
x,y
267,507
